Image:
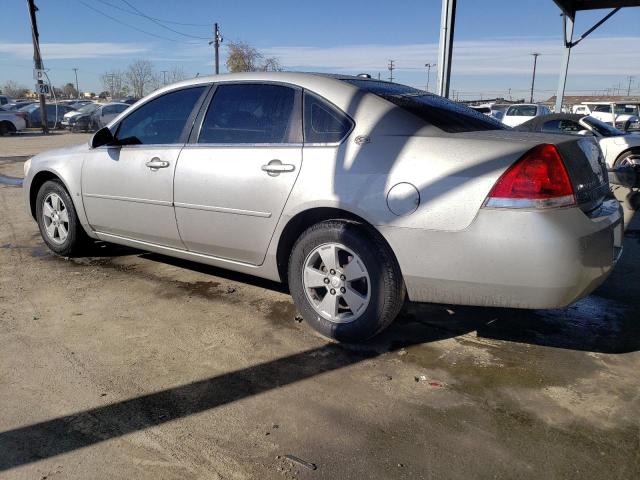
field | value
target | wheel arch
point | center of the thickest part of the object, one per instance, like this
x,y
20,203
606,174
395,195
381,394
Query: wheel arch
x,y
11,127
305,219
624,152
38,180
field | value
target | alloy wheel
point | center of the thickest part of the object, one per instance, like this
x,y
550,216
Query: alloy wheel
x,y
336,282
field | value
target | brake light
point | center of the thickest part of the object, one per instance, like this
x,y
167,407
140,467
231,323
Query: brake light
x,y
538,180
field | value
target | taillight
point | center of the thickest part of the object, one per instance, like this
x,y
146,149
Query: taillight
x,y
21,114
538,180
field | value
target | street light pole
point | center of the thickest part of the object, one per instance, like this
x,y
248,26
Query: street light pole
x,y
429,65
75,70
533,79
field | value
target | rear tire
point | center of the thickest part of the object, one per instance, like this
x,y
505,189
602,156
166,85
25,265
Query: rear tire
x,y
345,281
7,128
624,159
58,221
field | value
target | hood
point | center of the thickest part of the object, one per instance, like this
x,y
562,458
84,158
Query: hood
x,y
60,152
73,113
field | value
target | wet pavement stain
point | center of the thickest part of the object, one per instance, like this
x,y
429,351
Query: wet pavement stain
x,y
38,251
11,181
280,312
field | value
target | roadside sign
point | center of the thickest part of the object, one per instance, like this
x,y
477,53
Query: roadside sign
x,y
42,88
38,74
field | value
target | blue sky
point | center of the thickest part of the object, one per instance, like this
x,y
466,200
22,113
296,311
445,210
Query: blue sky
x,y
494,39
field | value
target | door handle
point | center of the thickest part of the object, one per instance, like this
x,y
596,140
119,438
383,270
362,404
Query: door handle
x,y
155,163
276,167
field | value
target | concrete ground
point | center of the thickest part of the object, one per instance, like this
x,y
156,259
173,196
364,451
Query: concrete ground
x,y
133,365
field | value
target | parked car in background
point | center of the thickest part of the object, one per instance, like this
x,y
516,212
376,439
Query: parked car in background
x,y
522,112
128,100
105,113
79,119
619,148
620,115
55,114
11,122
4,99
356,192
76,104
17,105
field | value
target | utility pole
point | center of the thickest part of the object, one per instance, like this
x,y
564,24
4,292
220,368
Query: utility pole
x,y
37,60
75,70
533,79
630,77
217,40
391,67
164,76
429,65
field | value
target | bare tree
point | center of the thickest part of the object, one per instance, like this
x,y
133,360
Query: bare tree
x,y
271,64
14,90
242,57
69,90
141,78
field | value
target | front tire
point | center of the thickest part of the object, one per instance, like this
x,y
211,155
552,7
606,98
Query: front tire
x,y
345,281
58,221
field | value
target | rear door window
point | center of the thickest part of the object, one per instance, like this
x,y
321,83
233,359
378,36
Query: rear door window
x,y
253,113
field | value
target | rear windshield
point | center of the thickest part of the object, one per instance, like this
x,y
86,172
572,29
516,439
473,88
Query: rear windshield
x,y
442,113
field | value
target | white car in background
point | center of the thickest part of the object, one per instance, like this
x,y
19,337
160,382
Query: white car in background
x,y
10,122
619,148
523,112
620,115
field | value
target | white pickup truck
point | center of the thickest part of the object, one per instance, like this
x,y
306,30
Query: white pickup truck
x,y
619,115
11,122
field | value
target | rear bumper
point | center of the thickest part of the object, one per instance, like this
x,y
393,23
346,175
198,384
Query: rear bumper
x,y
508,258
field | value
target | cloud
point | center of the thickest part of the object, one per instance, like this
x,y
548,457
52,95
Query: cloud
x,y
497,56
57,51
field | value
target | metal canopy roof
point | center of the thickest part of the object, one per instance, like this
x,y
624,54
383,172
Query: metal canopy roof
x,y
570,7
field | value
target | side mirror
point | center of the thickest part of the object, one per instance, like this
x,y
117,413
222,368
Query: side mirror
x,y
102,137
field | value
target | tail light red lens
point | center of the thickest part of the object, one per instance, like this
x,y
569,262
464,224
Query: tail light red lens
x,y
538,180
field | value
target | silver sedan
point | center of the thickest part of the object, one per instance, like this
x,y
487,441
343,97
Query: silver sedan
x,y
358,193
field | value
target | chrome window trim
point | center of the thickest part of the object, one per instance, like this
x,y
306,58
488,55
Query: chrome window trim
x,y
243,145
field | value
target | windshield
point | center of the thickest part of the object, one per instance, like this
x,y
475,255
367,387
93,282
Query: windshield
x,y
438,111
90,107
604,129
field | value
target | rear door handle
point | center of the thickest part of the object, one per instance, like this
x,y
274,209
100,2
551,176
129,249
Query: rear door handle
x,y
276,167
155,163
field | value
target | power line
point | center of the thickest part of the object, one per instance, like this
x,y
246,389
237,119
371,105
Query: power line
x,y
131,26
154,18
157,22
